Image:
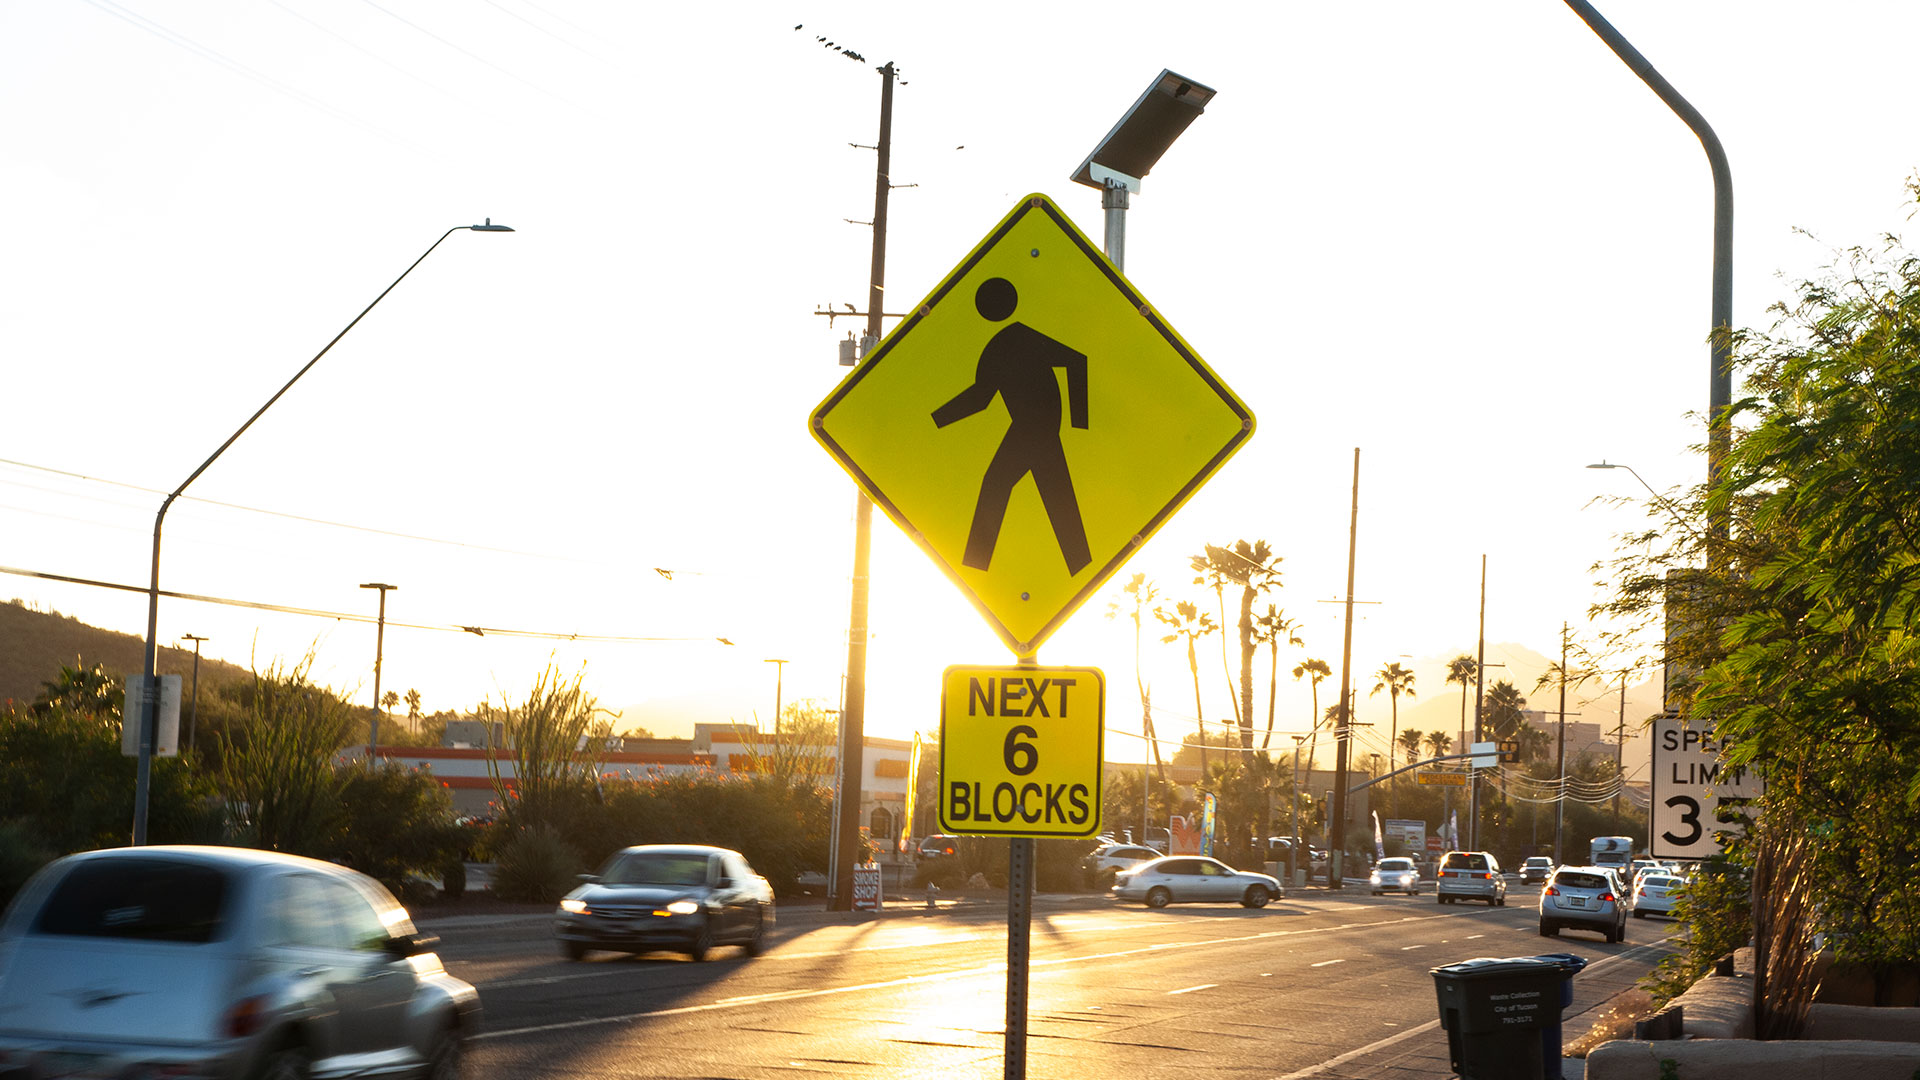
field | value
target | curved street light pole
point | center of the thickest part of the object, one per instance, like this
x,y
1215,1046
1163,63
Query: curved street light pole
x,y
1720,370
149,706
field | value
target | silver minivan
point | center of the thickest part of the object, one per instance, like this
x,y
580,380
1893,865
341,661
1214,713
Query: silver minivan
x,y
221,963
1470,875
1584,898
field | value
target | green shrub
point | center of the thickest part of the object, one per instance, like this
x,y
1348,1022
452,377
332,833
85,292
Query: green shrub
x,y
453,880
779,823
393,824
21,856
535,866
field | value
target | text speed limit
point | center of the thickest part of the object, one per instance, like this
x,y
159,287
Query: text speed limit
x,y
1020,750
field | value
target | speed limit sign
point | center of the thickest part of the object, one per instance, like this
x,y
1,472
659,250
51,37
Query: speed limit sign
x,y
1020,750
1692,788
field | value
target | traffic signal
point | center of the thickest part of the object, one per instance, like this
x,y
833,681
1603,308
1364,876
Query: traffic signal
x,y
1510,750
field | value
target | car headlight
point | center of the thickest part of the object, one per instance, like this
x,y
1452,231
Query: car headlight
x,y
573,907
683,907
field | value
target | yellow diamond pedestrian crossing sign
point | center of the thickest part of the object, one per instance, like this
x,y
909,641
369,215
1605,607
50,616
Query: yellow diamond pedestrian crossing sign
x,y
1032,423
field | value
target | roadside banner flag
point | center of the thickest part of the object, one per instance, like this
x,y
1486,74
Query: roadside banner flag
x,y
1379,840
913,788
1206,824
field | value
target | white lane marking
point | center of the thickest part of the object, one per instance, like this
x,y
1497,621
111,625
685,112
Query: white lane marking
x,y
1334,1062
912,980
601,972
1404,948
1324,963
1191,989
1470,937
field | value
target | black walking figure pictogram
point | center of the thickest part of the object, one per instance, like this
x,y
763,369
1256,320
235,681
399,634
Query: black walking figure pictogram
x,y
1018,365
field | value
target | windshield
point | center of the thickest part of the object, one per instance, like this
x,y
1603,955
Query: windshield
x,y
656,868
1396,864
1465,860
144,899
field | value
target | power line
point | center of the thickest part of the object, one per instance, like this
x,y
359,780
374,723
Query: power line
x,y
257,510
345,616
235,66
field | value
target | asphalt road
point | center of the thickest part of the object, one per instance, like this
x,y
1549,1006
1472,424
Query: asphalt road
x,y
1115,991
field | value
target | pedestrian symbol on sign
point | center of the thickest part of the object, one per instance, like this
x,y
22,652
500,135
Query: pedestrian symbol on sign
x,y
1017,365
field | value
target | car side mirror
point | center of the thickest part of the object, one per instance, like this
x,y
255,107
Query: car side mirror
x,y
725,882
589,878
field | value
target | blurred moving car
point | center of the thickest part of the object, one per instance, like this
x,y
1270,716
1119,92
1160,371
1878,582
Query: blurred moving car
x,y
1394,875
224,963
1584,898
1181,878
686,897
1470,875
937,846
1116,857
1655,893
1537,868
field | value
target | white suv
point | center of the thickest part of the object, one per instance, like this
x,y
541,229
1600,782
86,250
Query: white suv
x,y
1470,875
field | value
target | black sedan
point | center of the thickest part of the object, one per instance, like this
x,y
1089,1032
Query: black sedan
x,y
686,898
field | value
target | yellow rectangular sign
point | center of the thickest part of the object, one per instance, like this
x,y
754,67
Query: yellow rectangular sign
x,y
1021,750
1444,779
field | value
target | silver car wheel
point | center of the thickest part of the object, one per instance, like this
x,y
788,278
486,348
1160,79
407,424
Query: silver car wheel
x,y
757,943
443,1061
702,942
1257,896
1158,897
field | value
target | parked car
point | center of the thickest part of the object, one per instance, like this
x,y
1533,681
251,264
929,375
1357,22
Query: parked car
x,y
1536,869
1655,893
684,897
1470,875
937,846
1181,878
1116,857
222,963
1584,898
1394,875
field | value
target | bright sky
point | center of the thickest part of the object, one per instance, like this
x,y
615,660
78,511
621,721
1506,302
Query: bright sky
x,y
1462,238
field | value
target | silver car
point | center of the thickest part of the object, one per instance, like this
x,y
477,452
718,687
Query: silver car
x,y
1194,877
1584,898
1655,893
223,963
1394,875
684,897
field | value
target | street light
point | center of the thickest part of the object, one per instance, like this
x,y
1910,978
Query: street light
x,y
1294,860
779,674
1679,518
379,651
194,715
1134,146
149,708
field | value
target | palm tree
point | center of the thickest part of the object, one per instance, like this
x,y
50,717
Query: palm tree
x,y
1256,569
1395,680
1439,742
1189,622
1463,669
1410,741
1316,670
1143,594
1505,711
1272,628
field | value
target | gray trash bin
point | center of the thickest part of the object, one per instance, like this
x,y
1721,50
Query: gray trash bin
x,y
1493,1011
1551,1051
